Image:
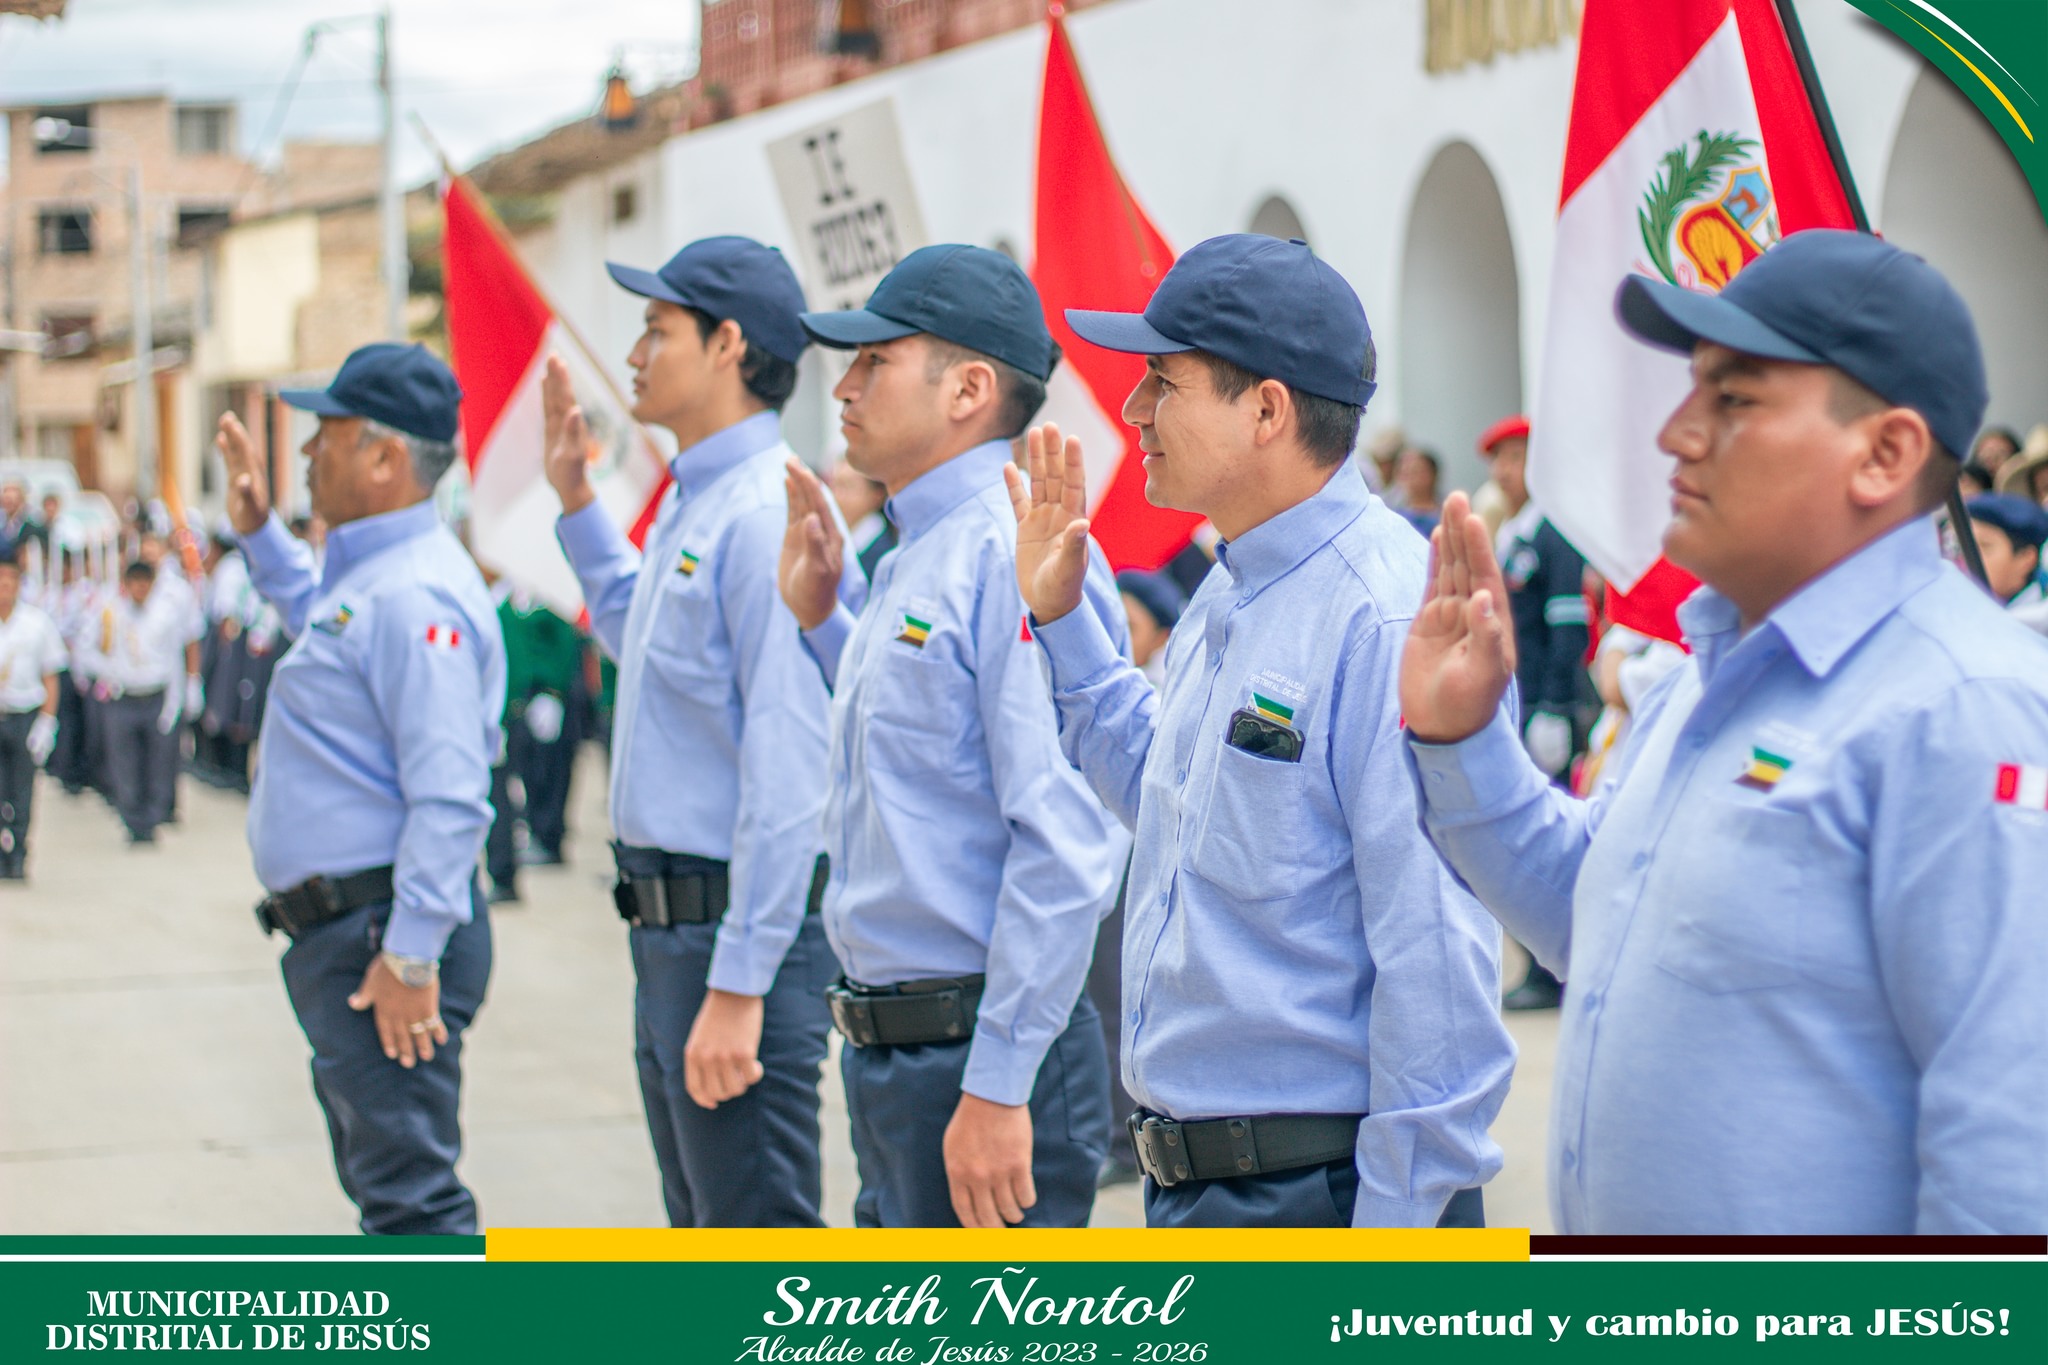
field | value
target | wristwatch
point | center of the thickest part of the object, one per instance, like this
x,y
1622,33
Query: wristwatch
x,y
413,971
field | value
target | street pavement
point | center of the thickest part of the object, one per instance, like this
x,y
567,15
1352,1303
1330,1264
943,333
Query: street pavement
x,y
153,1079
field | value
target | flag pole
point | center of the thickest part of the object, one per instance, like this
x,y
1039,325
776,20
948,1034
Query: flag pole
x,y
1817,100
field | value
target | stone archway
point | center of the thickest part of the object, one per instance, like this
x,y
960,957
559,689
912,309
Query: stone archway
x,y
1458,353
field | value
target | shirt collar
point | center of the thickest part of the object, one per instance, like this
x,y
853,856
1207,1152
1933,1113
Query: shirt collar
x,y
697,468
352,542
1273,547
934,493
1826,619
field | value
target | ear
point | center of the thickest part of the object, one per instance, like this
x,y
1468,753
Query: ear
x,y
727,345
971,390
1898,447
1273,411
392,462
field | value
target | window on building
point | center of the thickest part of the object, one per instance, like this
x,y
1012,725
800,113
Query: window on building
x,y
205,129
625,203
199,222
79,117
67,335
64,232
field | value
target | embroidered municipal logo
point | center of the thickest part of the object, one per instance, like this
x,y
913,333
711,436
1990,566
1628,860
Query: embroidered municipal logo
x,y
916,630
1277,697
686,564
1765,770
337,623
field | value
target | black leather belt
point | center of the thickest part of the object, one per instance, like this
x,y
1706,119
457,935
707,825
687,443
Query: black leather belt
x,y
1217,1149
940,1010
317,900
693,891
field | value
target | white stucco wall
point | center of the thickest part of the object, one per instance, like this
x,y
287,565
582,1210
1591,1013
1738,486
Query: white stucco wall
x,y
1210,107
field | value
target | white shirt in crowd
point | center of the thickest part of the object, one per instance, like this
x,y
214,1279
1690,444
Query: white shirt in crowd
x,y
140,649
30,649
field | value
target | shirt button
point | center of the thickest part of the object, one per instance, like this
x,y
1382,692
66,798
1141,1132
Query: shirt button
x,y
1592,1002
1162,898
1571,1158
1134,1016
1181,776
1640,861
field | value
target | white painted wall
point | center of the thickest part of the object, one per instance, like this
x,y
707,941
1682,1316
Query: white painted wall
x,y
1210,107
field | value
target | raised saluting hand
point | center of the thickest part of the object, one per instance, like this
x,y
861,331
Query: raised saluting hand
x,y
1052,523
1460,655
813,549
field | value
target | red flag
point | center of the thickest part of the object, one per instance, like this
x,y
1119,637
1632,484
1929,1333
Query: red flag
x,y
1095,248
1693,146
501,330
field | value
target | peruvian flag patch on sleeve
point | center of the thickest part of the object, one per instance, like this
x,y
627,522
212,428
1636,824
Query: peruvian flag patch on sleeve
x,y
2021,785
443,637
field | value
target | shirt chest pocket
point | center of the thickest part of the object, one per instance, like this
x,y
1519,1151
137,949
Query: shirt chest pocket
x,y
686,641
918,710
1256,843
318,677
1761,904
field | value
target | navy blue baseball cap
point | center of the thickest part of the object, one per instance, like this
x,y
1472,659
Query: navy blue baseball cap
x,y
2023,523
1156,592
967,295
1262,304
1881,315
404,387
729,277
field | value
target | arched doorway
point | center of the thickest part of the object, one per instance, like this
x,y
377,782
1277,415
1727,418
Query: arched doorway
x,y
1955,195
1277,218
1458,350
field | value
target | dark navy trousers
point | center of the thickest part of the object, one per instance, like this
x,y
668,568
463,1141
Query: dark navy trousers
x,y
902,1098
1305,1197
394,1130
752,1162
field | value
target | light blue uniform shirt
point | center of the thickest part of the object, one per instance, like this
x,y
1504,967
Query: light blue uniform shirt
x,y
961,841
382,722
1292,945
1812,1003
718,741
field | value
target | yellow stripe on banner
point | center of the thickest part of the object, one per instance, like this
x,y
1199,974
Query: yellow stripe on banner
x,y
1979,75
1010,1245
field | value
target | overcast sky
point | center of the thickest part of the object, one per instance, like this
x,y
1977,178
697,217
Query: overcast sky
x,y
482,73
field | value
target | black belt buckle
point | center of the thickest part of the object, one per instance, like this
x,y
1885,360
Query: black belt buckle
x,y
853,1014
1161,1147
264,920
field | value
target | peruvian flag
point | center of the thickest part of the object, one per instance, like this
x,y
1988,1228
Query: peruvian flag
x,y
1095,248
501,330
1693,147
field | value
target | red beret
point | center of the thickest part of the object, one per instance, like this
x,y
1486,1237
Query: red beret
x,y
1506,427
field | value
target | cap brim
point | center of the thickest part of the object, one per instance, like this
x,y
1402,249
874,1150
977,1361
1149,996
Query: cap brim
x,y
645,283
848,328
1675,319
317,401
1126,332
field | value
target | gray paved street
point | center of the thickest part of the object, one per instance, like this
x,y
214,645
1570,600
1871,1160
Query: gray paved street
x,y
153,1080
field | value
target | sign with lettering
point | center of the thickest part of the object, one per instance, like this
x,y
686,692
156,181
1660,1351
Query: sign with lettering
x,y
846,187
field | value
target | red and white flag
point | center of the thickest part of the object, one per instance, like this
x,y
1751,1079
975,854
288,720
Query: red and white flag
x,y
1095,248
443,637
1693,146
501,330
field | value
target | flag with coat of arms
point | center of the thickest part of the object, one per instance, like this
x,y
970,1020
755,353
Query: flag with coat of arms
x,y
1693,146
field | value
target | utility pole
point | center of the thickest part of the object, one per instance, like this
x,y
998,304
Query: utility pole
x,y
143,327
396,267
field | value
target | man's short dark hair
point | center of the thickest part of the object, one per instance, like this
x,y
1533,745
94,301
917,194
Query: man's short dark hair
x,y
1328,429
768,377
138,569
1849,398
8,561
1019,395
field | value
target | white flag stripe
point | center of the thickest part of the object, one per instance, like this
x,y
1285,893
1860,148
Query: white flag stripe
x,y
1594,466
513,509
2033,792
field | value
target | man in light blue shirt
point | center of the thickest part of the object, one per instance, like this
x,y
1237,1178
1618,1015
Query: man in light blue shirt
x,y
970,864
1310,1023
373,776
1803,923
718,744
